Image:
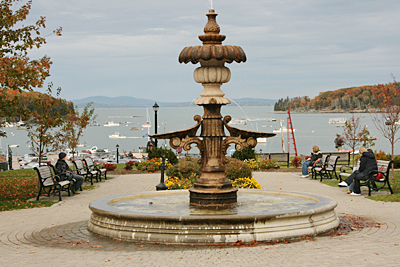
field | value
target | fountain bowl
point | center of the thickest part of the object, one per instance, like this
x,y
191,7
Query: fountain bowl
x,y
166,217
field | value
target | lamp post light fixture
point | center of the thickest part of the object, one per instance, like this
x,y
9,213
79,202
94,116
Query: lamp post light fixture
x,y
155,108
117,146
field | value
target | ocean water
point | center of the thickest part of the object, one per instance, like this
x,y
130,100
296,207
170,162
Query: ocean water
x,y
311,128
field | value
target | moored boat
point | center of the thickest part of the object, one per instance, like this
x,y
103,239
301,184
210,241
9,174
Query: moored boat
x,y
116,135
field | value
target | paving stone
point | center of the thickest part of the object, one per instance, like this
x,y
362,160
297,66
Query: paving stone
x,y
58,236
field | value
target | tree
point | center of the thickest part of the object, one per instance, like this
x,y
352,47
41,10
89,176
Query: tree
x,y
354,136
386,116
47,117
18,71
245,153
73,127
159,152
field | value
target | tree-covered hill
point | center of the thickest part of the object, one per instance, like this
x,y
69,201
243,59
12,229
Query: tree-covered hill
x,y
341,100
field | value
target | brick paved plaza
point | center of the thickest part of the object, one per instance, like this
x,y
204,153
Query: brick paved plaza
x,y
57,236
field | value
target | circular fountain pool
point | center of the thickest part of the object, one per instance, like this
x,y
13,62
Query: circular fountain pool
x,y
167,217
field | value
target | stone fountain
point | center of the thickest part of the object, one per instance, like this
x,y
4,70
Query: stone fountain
x,y
212,211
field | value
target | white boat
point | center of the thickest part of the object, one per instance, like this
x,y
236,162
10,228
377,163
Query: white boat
x,y
238,121
261,140
148,123
116,136
111,123
337,121
283,129
269,119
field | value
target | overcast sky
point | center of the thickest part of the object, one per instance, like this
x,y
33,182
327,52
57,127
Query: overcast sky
x,y
293,47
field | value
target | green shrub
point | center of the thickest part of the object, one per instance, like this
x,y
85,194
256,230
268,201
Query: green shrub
x,y
246,153
381,155
236,168
384,156
185,168
396,161
168,153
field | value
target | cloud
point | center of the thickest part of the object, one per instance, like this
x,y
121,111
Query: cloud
x,y
294,48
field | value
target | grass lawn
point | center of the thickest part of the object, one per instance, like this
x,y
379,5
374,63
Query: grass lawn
x,y
394,183
18,186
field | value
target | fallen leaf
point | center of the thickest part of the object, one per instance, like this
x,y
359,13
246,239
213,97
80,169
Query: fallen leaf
x,y
32,252
107,260
180,258
115,249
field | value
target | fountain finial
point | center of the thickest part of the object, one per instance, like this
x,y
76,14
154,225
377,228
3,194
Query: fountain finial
x,y
212,30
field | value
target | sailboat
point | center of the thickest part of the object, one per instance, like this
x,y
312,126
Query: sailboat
x,y
148,123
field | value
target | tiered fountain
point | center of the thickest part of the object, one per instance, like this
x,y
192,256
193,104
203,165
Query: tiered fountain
x,y
213,211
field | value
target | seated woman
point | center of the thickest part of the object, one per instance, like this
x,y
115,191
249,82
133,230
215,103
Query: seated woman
x,y
367,164
316,155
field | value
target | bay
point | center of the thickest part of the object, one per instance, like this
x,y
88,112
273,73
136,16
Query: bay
x,y
311,128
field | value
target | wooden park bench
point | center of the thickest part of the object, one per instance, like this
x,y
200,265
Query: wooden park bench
x,y
318,168
377,179
328,168
279,157
49,182
81,169
91,166
344,157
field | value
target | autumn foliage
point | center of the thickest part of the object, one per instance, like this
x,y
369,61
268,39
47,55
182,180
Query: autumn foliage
x,y
353,98
18,71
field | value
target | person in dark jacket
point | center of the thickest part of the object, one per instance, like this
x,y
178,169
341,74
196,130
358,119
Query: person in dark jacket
x,y
65,172
316,156
367,164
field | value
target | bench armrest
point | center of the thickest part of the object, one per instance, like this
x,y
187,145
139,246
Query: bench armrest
x,y
345,167
56,178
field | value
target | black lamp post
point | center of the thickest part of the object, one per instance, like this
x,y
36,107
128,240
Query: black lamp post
x,y
117,146
155,108
162,185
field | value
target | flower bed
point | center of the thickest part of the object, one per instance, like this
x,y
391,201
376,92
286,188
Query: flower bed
x,y
262,164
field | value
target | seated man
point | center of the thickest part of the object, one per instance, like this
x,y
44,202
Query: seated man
x,y
316,155
367,164
65,172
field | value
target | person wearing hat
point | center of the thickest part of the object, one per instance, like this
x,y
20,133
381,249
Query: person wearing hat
x,y
65,172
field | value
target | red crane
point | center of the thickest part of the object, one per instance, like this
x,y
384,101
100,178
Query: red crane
x,y
290,134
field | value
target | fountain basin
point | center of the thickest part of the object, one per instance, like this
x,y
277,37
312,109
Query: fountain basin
x,y
166,217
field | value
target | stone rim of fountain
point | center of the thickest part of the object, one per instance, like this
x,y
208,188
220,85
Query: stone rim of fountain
x,y
188,229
